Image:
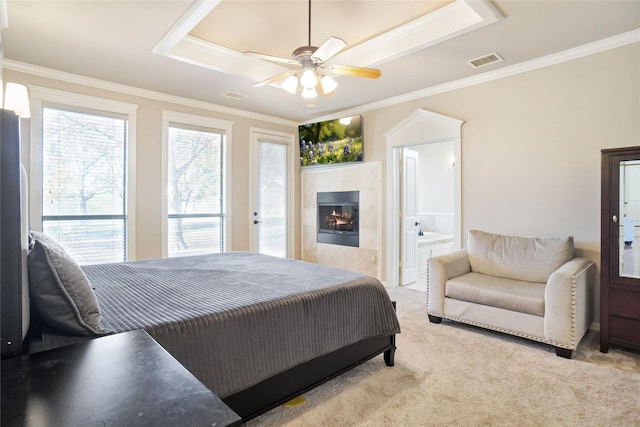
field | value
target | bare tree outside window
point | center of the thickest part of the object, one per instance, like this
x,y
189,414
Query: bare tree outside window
x,y
195,193
84,184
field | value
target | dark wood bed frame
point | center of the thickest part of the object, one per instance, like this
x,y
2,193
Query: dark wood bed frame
x,y
11,263
248,403
295,381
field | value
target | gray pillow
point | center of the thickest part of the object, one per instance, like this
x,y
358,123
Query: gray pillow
x,y
60,291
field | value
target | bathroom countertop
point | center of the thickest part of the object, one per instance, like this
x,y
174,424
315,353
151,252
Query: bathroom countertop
x,y
431,237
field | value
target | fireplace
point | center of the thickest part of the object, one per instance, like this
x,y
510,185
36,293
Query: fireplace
x,y
338,216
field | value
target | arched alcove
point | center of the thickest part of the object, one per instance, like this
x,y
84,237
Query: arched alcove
x,y
420,127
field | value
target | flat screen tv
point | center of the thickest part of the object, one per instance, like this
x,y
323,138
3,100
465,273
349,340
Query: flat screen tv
x,y
331,142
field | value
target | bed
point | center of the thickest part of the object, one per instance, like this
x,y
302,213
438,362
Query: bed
x,y
257,330
237,319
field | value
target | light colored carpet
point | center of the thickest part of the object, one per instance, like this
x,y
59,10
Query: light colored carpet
x,y
453,374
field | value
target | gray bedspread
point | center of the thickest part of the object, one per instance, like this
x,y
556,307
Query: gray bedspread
x,y
237,318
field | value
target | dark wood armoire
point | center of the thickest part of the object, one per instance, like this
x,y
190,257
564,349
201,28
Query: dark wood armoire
x,y
620,249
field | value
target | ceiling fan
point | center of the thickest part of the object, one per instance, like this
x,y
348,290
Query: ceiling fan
x,y
313,72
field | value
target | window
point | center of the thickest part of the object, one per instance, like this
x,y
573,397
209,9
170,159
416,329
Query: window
x,y
196,152
84,184
82,180
195,192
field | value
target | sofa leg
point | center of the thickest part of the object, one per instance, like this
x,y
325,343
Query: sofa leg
x,y
563,352
434,319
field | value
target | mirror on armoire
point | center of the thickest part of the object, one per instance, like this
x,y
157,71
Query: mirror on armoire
x,y
620,248
629,209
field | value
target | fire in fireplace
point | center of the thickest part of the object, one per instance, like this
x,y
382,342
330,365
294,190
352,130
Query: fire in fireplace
x,y
338,216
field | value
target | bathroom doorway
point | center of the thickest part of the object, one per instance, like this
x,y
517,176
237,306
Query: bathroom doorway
x,y
431,131
427,208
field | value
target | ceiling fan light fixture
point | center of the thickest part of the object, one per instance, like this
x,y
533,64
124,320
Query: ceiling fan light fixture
x,y
311,61
308,79
328,84
290,84
309,93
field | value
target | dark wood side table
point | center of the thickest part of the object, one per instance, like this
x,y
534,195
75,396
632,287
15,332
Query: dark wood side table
x,y
125,379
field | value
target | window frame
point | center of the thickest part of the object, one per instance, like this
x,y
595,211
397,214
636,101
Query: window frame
x,y
207,124
41,98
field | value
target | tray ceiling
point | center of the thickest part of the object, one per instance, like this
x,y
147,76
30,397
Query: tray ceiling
x,y
214,34
191,51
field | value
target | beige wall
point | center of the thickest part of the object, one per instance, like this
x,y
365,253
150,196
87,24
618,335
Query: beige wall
x,y
530,149
531,144
148,163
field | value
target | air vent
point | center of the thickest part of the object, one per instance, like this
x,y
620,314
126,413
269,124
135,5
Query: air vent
x,y
485,60
234,95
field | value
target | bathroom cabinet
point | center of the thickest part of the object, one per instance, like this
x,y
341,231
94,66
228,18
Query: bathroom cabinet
x,y
430,245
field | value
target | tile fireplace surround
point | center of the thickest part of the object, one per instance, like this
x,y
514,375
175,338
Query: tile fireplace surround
x,y
364,178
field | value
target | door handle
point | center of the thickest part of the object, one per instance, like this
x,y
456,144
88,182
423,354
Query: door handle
x,y
615,218
417,223
255,221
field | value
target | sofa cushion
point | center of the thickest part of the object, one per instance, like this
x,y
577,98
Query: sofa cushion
x,y
531,259
515,295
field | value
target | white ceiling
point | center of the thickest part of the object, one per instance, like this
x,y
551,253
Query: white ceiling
x,y
194,49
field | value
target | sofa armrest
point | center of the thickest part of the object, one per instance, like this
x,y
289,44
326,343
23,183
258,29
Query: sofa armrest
x,y
441,269
568,302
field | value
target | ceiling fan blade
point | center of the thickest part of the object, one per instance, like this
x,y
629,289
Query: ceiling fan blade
x,y
329,48
273,79
321,91
269,57
370,73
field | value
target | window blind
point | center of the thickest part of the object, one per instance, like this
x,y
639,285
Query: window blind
x,y
195,191
84,184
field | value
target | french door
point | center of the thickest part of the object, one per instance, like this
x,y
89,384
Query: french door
x,y
272,189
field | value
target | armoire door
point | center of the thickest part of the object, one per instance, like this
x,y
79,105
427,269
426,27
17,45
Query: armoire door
x,y
620,248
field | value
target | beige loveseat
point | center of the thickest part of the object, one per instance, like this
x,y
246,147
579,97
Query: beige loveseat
x,y
532,287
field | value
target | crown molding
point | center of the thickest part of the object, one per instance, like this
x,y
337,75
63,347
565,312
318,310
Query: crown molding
x,y
134,91
452,20
593,48
534,64
4,21
196,13
456,18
